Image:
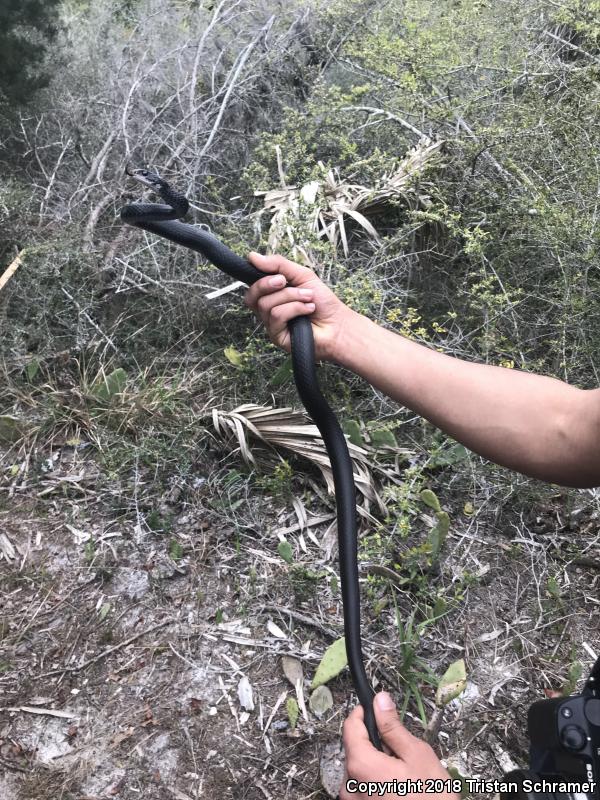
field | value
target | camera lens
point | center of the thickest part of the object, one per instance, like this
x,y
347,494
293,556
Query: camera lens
x,y
573,737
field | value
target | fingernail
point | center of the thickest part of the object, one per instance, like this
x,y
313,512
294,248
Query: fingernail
x,y
305,292
277,280
385,701
310,306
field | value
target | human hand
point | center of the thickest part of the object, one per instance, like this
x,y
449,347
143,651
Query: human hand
x,y
297,291
412,763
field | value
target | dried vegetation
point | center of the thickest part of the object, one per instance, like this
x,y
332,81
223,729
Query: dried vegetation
x,y
166,533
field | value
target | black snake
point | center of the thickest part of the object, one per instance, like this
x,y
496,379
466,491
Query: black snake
x,y
164,220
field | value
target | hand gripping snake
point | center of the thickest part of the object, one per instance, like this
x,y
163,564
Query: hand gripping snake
x,y
164,220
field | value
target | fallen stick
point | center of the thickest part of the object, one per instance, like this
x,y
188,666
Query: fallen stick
x,y
51,712
11,269
105,653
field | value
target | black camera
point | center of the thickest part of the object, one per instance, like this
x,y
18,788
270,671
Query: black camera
x,y
565,748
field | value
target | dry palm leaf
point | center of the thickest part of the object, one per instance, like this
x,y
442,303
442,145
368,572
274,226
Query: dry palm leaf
x,y
325,205
7,548
291,430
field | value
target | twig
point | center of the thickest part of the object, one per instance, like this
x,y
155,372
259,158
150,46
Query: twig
x,y
105,653
244,57
11,269
460,122
225,290
107,339
10,765
572,46
586,562
433,727
502,757
48,712
177,794
387,115
313,623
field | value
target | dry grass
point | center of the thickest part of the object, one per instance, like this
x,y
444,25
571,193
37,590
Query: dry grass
x,y
292,431
141,637
326,205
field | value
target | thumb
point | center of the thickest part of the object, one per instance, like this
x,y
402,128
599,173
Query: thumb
x,y
392,731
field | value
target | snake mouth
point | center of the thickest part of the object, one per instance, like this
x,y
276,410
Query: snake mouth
x,y
142,175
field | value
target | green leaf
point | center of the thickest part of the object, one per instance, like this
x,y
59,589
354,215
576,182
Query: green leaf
x,y
553,588
283,374
382,438
452,684
292,711
332,663
32,369
352,431
437,535
464,786
175,550
104,611
430,499
448,456
11,429
284,549
108,386
439,607
234,357
89,551
573,676
320,701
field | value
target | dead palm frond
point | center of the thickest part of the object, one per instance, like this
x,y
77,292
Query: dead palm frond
x,y
291,430
326,204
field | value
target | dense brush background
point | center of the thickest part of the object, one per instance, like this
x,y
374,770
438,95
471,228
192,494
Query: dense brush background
x,y
112,358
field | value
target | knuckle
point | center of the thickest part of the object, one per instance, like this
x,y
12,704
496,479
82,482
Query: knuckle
x,y
277,314
261,303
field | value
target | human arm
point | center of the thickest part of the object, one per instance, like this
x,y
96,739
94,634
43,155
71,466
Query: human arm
x,y
533,424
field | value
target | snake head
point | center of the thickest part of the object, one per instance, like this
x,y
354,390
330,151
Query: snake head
x,y
145,176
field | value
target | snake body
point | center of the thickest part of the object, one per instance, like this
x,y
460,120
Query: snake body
x,y
165,220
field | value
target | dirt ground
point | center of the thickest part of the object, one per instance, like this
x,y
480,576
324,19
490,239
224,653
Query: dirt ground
x,y
121,653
